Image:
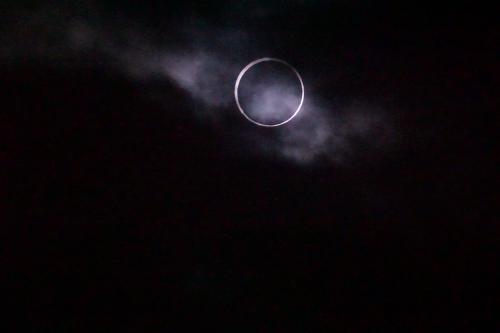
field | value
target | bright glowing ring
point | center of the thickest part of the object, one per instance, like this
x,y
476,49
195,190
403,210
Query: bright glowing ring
x,y
242,73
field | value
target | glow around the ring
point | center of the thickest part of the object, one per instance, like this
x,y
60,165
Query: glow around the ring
x,y
242,73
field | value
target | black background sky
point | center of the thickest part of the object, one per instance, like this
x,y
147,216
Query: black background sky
x,y
126,213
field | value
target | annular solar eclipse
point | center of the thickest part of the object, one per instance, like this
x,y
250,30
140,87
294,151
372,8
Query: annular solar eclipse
x,y
267,122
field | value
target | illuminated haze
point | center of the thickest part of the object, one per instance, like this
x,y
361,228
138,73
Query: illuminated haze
x,y
205,61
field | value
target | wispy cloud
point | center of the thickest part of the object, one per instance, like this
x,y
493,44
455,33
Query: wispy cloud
x,y
204,61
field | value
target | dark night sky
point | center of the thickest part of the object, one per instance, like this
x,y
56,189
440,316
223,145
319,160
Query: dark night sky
x,y
132,202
